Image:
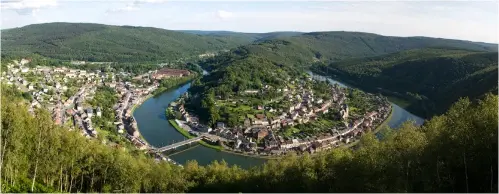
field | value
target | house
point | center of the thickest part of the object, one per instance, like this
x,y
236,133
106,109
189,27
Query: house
x,y
99,112
220,125
344,111
287,144
269,144
205,129
77,62
237,144
251,91
70,75
79,106
186,117
247,122
165,73
262,133
25,61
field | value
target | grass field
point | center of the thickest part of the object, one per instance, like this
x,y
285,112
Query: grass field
x,y
188,135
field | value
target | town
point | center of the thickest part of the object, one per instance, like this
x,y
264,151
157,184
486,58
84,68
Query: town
x,y
264,133
66,94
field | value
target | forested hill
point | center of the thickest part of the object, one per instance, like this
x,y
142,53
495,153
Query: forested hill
x,y
269,59
97,42
430,80
255,37
336,46
455,152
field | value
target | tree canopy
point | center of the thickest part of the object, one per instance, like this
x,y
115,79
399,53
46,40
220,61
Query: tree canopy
x,y
454,152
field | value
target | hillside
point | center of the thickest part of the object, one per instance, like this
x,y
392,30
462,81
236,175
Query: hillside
x,y
97,42
455,152
290,55
253,37
336,46
429,79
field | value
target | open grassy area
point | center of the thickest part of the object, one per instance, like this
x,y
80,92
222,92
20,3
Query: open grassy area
x,y
187,135
180,129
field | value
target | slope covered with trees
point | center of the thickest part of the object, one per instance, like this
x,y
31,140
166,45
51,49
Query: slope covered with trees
x,y
302,50
97,42
455,152
429,79
249,37
264,62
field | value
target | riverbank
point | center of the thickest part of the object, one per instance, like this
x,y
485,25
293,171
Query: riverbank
x,y
253,156
153,94
133,110
378,129
402,100
216,147
179,81
189,136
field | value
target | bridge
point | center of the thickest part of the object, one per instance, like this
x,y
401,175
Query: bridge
x,y
208,137
178,144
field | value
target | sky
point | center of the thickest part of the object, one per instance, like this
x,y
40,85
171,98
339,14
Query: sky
x,y
465,20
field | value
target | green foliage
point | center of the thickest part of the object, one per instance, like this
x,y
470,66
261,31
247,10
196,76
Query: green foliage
x,y
105,97
169,83
271,61
189,136
180,129
454,152
430,79
105,43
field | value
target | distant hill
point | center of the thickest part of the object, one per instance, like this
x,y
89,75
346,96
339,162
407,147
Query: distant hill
x,y
248,36
336,46
429,79
297,53
97,42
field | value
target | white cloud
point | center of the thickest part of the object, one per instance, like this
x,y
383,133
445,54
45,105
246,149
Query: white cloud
x,y
133,6
127,8
224,14
27,7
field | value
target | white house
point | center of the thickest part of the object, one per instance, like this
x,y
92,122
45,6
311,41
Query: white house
x,y
99,112
24,61
90,112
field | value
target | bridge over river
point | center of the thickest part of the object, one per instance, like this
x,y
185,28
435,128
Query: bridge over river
x,y
208,137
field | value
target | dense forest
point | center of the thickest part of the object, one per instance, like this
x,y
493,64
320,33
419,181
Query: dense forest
x,y
454,152
105,43
369,60
430,80
302,50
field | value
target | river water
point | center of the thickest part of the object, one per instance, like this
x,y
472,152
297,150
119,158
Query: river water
x,y
156,130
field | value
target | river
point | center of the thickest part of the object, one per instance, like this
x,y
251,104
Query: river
x,y
156,130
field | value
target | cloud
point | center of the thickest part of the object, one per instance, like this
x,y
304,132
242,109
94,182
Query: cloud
x,y
27,7
129,7
224,14
133,6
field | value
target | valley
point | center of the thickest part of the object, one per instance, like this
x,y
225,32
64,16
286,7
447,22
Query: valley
x,y
104,108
